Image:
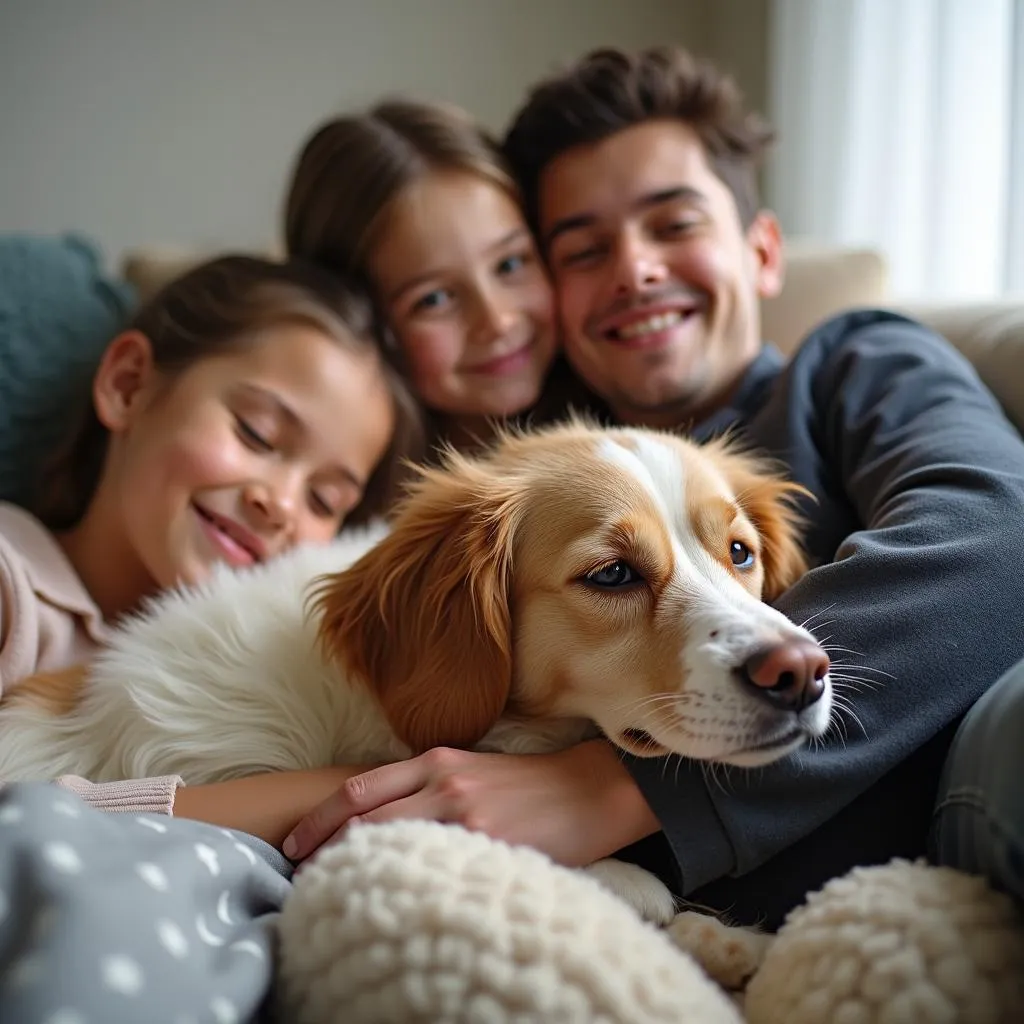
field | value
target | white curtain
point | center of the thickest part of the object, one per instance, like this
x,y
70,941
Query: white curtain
x,y
901,127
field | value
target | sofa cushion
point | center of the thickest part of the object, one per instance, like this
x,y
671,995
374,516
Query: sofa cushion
x,y
820,282
148,269
991,336
58,311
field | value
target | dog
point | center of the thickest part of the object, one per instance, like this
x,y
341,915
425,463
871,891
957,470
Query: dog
x,y
567,582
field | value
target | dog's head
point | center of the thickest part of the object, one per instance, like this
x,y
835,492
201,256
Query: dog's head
x,y
617,575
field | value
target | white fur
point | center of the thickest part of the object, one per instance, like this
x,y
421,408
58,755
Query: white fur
x,y
212,683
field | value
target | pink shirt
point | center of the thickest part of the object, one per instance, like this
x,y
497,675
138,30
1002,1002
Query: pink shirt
x,y
47,622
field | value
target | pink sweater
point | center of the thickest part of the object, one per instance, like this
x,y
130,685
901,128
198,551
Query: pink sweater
x,y
48,621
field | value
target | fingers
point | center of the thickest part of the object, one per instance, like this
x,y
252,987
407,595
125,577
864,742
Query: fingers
x,y
357,795
423,805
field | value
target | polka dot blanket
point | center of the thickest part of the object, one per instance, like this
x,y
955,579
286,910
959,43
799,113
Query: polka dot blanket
x,y
122,919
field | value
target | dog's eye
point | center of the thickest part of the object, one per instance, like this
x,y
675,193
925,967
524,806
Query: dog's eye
x,y
742,557
614,575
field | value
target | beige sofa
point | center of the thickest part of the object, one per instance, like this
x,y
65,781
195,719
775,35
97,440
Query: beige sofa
x,y
820,281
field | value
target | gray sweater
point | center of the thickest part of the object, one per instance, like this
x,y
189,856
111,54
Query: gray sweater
x,y
918,588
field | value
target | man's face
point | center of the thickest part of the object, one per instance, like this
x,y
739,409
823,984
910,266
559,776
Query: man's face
x,y
657,282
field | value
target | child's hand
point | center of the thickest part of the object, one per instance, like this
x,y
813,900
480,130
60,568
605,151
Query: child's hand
x,y
577,805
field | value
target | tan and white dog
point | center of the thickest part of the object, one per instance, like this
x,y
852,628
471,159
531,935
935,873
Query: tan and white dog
x,y
568,578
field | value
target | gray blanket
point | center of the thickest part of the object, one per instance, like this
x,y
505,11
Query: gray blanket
x,y
131,919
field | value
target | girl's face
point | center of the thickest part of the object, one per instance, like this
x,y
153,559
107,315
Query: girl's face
x,y
240,456
466,296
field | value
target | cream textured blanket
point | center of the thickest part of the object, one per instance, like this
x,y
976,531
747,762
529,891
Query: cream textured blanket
x,y
420,922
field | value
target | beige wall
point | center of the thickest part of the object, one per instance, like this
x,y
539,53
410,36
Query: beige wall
x,y
175,121
735,35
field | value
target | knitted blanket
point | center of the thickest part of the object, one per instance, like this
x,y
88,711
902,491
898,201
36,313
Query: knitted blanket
x,y
419,922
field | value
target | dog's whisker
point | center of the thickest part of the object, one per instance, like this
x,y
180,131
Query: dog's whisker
x,y
810,618
656,699
646,714
844,664
845,710
679,767
838,727
849,666
861,681
854,687
829,648
707,770
813,630
841,648
838,722
713,772
858,683
846,672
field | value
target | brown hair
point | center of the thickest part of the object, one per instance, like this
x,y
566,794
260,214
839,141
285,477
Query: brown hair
x,y
210,310
610,90
352,168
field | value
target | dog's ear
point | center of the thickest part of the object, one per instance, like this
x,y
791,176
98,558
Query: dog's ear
x,y
771,503
424,617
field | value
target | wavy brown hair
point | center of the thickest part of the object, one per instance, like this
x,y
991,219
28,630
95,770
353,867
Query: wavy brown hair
x,y
610,90
352,168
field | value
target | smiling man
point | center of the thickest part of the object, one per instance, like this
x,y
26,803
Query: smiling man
x,y
659,273
647,210
639,174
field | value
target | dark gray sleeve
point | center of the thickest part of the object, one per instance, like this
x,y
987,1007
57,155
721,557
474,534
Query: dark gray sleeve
x,y
920,599
123,918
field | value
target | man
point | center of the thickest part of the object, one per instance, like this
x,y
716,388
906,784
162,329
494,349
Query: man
x,y
639,176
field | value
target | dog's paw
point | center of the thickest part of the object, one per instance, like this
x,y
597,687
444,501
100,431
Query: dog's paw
x,y
728,955
644,892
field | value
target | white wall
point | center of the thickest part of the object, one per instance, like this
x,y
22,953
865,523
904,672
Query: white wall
x,y
175,122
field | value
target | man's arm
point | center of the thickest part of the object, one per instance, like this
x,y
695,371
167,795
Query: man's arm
x,y
921,605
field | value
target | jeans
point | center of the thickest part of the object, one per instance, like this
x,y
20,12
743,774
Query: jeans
x,y
978,823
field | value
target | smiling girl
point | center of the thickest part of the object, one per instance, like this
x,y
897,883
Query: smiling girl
x,y
415,199
245,410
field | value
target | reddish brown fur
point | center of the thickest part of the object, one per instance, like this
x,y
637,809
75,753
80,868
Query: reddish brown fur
x,y
768,500
441,578
56,692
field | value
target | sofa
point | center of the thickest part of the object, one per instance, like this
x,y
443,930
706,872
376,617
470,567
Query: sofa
x,y
822,280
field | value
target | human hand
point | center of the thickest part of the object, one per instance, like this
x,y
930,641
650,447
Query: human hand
x,y
577,805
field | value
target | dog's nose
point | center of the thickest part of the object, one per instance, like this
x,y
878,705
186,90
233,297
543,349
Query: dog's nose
x,y
789,675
